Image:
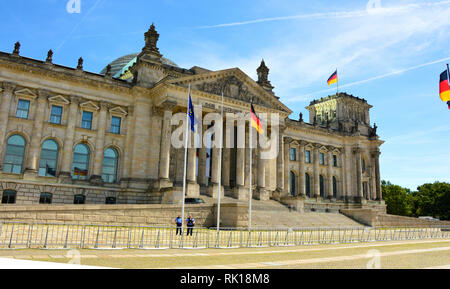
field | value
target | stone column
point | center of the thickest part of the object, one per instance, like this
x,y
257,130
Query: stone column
x,y
378,176
96,177
128,144
226,160
261,193
8,89
192,187
213,188
359,186
66,167
287,148
316,191
280,163
343,180
301,171
36,137
330,173
202,167
164,158
240,192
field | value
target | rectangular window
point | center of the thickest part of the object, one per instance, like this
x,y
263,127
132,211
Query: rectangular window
x,y
308,157
9,197
322,158
335,161
22,109
115,124
293,154
45,199
87,120
79,200
56,114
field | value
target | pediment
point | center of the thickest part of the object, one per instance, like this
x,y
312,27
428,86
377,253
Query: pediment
x,y
89,105
118,110
59,99
234,84
26,93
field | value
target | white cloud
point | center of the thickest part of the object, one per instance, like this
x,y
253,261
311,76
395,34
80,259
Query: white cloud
x,y
362,45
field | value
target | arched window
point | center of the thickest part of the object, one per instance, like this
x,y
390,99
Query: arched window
x,y
363,165
308,185
49,159
80,165
110,161
322,187
15,151
9,197
293,189
335,188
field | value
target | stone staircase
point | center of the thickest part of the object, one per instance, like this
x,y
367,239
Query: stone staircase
x,y
273,214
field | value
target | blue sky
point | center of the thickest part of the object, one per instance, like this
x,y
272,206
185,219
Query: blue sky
x,y
391,55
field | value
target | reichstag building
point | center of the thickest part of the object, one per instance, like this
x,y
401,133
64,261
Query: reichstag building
x,y
69,136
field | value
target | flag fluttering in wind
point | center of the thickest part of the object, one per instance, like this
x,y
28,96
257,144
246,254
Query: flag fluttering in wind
x,y
256,122
193,121
333,78
444,87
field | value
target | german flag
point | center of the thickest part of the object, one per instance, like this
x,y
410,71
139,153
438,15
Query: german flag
x,y
256,122
444,87
333,78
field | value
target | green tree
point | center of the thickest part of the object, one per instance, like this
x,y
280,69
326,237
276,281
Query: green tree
x,y
432,200
399,200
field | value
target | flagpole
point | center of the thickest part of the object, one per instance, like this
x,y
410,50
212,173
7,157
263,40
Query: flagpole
x,y
250,195
220,169
185,165
337,82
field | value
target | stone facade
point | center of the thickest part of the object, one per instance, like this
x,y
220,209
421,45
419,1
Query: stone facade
x,y
333,159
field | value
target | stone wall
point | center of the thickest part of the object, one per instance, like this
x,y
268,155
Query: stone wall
x,y
233,215
375,219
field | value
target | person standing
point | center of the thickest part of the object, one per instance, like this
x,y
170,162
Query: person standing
x,y
190,225
179,222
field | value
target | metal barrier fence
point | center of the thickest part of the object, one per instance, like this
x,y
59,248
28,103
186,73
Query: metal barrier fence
x,y
21,235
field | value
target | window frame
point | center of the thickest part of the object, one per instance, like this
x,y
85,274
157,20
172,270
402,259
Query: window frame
x,y
87,164
48,159
293,154
19,109
52,115
79,196
83,121
11,193
321,159
44,197
116,166
308,159
13,165
118,127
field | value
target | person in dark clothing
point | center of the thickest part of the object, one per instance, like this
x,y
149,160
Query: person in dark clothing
x,y
179,222
190,225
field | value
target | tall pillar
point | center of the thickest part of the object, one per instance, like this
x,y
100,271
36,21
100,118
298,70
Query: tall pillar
x,y
378,176
66,167
36,137
202,181
280,162
100,144
165,147
330,173
343,175
261,193
128,144
287,148
8,89
301,171
316,171
359,186
239,191
226,161
213,188
192,187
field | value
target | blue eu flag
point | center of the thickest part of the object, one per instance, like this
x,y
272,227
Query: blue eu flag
x,y
192,118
